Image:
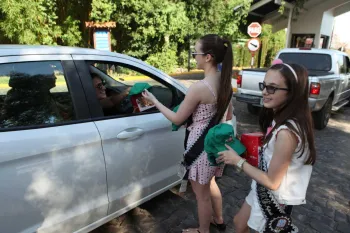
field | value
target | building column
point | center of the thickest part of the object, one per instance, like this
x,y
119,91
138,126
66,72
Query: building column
x,y
289,28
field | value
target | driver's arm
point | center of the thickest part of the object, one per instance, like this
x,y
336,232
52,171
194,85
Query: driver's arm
x,y
117,99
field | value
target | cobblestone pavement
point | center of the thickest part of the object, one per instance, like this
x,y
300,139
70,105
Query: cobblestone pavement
x,y
328,199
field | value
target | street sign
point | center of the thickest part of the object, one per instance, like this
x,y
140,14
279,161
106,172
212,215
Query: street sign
x,y
254,29
253,45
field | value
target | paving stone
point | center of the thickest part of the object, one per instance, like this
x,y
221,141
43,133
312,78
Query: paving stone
x,y
340,217
320,227
343,227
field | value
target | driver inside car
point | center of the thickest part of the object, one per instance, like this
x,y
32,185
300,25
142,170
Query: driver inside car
x,y
111,103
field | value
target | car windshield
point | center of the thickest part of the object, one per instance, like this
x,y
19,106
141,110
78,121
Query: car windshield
x,y
312,61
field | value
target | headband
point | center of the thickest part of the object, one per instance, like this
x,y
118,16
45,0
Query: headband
x,y
279,61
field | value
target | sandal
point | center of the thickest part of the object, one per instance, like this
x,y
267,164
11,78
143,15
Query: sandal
x,y
188,230
220,227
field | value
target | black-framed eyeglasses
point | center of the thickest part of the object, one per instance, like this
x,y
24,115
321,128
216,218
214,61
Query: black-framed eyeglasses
x,y
270,89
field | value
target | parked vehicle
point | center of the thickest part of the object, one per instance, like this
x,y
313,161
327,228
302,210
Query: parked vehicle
x,y
65,165
329,80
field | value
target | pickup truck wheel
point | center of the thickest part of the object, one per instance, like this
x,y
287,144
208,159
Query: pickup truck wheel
x,y
321,117
253,109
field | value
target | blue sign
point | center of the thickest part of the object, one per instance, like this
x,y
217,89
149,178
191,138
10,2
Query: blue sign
x,y
101,40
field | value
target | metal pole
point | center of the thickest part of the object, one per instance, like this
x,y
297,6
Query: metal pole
x,y
289,27
260,54
189,55
252,61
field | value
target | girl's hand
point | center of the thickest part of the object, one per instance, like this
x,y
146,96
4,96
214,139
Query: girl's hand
x,y
149,96
228,157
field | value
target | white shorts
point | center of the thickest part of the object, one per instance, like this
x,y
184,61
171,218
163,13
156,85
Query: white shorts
x,y
256,220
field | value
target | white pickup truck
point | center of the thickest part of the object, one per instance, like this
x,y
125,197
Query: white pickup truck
x,y
329,81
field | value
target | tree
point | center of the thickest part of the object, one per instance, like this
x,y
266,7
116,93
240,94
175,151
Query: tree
x,y
146,26
35,22
157,31
271,44
339,44
216,16
102,10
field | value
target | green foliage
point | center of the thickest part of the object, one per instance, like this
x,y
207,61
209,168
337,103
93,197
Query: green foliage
x,y
72,35
35,22
165,60
216,16
146,26
29,21
102,10
271,44
157,31
298,7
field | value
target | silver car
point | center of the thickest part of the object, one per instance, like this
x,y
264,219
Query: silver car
x,y
66,163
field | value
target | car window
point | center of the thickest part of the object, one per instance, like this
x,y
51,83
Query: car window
x,y
341,64
347,64
34,93
311,61
113,81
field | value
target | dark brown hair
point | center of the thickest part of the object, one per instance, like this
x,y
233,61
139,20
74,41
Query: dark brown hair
x,y
221,51
296,108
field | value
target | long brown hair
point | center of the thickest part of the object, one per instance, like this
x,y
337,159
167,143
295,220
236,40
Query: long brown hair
x,y
221,51
296,108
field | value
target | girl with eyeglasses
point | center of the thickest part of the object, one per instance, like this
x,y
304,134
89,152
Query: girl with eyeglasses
x,y
287,155
207,103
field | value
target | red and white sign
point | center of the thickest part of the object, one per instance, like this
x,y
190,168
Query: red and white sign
x,y
253,45
254,29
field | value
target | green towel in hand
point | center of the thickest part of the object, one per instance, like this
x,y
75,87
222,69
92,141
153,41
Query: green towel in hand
x,y
138,88
217,138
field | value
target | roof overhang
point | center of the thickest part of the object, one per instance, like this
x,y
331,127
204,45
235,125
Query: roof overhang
x,y
260,9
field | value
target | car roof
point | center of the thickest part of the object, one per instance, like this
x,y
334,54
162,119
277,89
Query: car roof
x,y
20,50
312,50
12,50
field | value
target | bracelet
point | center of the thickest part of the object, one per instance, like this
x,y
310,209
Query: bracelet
x,y
240,164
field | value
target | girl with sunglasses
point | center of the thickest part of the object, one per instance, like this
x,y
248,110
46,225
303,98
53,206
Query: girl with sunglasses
x,y
207,103
286,157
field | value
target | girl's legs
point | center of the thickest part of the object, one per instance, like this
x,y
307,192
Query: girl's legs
x,y
204,206
241,219
216,201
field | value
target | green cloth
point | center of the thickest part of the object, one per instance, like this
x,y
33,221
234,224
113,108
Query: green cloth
x,y
138,88
173,126
216,139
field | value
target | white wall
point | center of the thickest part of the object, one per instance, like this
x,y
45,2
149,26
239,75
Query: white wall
x,y
318,19
327,23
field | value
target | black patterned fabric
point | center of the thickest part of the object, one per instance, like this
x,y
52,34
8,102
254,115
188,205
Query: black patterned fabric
x,y
278,217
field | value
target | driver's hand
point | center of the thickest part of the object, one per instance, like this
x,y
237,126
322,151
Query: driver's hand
x,y
126,91
149,96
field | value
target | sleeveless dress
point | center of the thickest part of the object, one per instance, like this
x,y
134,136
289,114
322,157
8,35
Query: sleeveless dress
x,y
200,170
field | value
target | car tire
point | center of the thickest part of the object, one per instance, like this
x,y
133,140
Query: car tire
x,y
322,117
253,109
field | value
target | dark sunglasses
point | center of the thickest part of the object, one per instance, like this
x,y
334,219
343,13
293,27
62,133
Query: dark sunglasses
x,y
100,86
270,89
195,53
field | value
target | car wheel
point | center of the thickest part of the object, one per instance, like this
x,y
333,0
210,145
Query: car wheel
x,y
253,109
322,117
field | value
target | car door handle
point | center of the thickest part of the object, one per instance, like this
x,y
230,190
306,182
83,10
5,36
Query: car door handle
x,y
131,133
